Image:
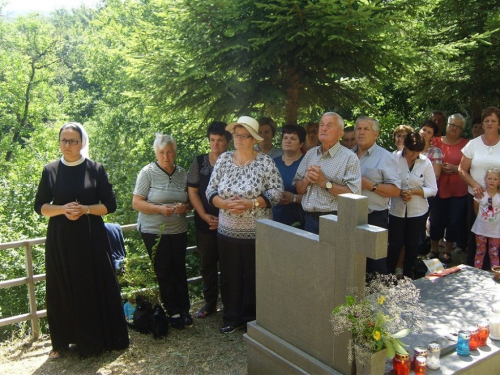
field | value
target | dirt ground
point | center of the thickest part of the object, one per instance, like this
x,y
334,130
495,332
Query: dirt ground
x,y
197,350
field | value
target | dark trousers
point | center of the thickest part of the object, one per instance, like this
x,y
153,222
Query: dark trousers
x,y
449,213
312,221
404,231
311,225
209,254
237,272
380,219
170,268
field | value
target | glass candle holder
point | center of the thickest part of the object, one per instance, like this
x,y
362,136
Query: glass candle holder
x,y
401,364
474,337
495,322
433,354
483,332
420,365
419,351
463,343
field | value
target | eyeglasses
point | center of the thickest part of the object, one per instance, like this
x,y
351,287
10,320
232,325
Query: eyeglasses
x,y
400,136
455,126
242,136
71,142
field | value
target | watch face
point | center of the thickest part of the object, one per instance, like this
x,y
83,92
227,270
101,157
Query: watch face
x,y
329,185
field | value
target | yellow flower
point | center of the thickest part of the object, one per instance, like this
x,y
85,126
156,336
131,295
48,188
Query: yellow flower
x,y
376,335
381,300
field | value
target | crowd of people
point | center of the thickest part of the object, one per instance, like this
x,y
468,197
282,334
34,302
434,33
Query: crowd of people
x,y
436,184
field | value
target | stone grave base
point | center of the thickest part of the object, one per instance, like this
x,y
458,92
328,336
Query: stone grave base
x,y
268,354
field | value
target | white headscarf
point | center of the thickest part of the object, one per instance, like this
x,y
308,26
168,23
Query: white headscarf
x,y
84,152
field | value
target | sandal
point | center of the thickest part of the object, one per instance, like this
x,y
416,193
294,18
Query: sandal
x,y
205,311
432,255
54,354
446,257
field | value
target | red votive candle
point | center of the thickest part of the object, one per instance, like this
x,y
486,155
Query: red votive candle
x,y
474,338
401,364
483,332
420,365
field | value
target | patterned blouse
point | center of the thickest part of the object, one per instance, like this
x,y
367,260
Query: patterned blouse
x,y
434,154
259,178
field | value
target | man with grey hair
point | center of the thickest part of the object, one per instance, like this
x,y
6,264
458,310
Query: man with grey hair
x,y
326,171
380,180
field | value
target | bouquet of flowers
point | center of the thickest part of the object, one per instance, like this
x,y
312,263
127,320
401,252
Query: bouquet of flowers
x,y
380,315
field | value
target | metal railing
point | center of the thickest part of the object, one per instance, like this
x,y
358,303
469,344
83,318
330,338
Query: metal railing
x,y
30,279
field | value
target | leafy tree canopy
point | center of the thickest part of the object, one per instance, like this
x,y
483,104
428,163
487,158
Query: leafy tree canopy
x,y
232,57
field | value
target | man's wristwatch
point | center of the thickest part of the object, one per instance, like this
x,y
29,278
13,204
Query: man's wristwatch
x,y
88,210
294,198
375,186
328,185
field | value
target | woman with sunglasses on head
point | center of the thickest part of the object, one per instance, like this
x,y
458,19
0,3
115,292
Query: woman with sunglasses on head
x,y
83,297
449,207
480,154
408,211
245,185
399,135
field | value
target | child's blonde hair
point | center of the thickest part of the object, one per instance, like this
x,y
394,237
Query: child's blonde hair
x,y
492,170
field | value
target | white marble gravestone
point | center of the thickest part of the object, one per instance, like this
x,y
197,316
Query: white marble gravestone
x,y
301,277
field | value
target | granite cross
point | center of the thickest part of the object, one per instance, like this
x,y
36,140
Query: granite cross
x,y
301,277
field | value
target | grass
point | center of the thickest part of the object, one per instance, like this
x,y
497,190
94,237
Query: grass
x,y
197,350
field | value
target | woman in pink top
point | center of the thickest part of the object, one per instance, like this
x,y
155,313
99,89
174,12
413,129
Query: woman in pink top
x,y
449,208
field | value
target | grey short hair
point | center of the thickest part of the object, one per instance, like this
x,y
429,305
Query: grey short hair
x,y
375,123
457,116
162,141
340,120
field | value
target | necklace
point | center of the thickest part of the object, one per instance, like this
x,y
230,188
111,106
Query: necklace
x,y
239,164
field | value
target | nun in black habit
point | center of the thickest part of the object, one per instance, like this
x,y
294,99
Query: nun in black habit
x,y
83,297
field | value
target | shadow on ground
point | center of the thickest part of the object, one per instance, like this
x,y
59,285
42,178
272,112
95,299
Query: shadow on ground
x,y
196,350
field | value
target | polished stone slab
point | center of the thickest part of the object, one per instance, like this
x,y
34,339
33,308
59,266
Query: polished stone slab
x,y
452,303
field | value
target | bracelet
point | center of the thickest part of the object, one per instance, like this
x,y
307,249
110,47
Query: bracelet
x,y
88,210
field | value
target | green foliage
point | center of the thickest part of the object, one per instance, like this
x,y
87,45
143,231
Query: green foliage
x,y
456,66
272,57
136,67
